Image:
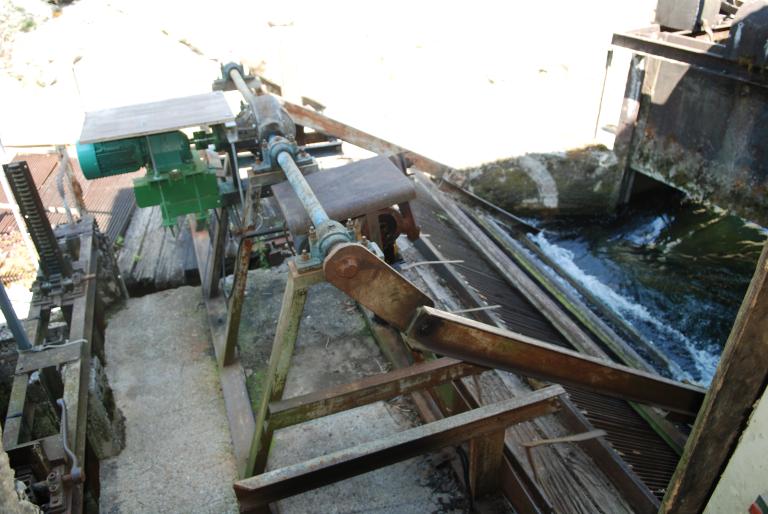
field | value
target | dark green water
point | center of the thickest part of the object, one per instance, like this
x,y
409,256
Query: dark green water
x,y
676,270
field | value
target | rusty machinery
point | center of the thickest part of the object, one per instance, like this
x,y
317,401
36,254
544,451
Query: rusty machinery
x,y
343,223
57,467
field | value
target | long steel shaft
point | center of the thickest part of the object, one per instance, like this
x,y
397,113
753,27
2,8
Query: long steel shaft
x,y
302,189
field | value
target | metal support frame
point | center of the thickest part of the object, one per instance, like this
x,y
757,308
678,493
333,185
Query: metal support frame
x,y
347,266
703,55
73,360
485,422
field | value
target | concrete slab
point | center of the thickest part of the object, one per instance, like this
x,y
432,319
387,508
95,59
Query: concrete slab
x,y
178,455
335,347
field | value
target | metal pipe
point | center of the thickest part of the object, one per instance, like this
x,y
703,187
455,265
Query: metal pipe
x,y
300,185
14,325
241,86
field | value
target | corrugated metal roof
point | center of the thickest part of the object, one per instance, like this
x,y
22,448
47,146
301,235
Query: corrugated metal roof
x,y
110,200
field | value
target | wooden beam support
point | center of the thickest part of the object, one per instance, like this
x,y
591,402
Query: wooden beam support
x,y
738,383
485,345
291,480
367,390
486,455
235,308
288,322
331,127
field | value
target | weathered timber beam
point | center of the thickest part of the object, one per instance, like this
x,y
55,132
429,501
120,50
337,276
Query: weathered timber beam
x,y
738,383
462,338
367,390
291,480
331,127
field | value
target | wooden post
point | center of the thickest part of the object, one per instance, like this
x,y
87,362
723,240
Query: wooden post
x,y
486,454
736,386
279,361
236,303
213,267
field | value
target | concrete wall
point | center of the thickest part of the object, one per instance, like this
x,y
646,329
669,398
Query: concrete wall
x,y
580,181
705,135
746,475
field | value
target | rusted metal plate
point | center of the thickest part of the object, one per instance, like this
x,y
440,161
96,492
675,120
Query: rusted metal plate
x,y
348,191
155,117
485,345
367,390
372,282
291,480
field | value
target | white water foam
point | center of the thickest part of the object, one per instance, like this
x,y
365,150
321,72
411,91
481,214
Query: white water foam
x,y
705,361
648,233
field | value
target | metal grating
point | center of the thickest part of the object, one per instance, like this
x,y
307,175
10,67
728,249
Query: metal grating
x,y
649,456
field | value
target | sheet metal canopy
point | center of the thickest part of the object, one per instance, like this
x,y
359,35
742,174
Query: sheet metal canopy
x,y
155,117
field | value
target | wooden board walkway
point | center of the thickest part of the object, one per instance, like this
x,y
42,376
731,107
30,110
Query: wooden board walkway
x,y
152,257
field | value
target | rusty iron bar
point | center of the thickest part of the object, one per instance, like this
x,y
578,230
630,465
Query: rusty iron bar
x,y
272,486
324,124
688,51
485,345
367,390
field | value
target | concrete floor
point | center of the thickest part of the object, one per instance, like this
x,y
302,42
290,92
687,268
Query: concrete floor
x,y
178,454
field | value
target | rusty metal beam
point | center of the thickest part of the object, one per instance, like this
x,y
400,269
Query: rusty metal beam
x,y
709,58
367,390
374,284
272,486
462,338
331,127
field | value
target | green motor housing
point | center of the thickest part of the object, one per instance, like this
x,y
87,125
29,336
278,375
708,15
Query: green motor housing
x,y
176,180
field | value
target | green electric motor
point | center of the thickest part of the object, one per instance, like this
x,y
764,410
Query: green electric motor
x,y
176,180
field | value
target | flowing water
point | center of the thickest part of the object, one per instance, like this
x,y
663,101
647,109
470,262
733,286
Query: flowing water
x,y
676,270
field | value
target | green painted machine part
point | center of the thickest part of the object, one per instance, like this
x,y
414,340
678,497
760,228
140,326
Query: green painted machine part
x,y
177,180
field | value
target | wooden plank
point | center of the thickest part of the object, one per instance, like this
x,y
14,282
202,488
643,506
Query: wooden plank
x,y
485,345
17,414
738,383
236,300
212,273
291,480
155,117
236,400
367,390
51,356
486,454
331,127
